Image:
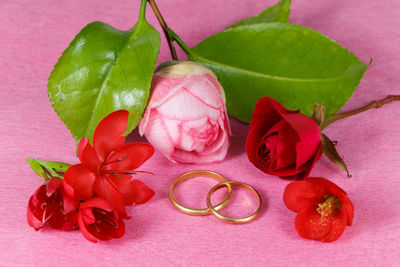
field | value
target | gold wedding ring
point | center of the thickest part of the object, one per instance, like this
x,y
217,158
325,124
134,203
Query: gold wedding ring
x,y
229,184
193,174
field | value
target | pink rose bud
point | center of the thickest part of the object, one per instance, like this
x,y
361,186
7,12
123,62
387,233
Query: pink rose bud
x,y
186,117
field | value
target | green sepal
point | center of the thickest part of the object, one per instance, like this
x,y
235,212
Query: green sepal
x,y
48,169
329,149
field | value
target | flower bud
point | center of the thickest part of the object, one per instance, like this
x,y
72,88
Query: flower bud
x,y
186,117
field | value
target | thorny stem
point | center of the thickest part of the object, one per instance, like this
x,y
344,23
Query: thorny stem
x,y
165,28
374,104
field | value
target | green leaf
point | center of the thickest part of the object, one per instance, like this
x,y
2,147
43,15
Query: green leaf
x,y
277,13
292,64
329,149
104,70
48,169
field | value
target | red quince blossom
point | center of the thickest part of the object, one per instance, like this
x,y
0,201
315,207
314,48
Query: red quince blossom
x,y
323,208
50,204
105,167
97,219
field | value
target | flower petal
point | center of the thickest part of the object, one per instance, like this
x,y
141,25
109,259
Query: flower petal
x,y
301,194
338,226
311,225
128,157
120,231
285,148
194,157
38,211
53,185
269,109
309,134
84,231
87,155
299,173
105,188
108,134
192,109
59,220
142,193
69,203
206,88
332,188
33,216
258,129
347,208
81,180
157,134
97,203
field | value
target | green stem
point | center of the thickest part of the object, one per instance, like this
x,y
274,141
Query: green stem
x,y
142,13
164,27
374,104
179,41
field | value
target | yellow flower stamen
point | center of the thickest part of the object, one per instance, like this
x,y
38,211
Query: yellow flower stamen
x,y
330,204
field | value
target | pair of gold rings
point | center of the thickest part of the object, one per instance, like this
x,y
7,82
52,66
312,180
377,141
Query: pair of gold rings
x,y
210,208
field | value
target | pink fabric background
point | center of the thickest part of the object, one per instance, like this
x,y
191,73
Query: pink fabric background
x,y
33,35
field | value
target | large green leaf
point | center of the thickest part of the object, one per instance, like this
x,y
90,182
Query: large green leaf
x,y
295,65
103,70
277,13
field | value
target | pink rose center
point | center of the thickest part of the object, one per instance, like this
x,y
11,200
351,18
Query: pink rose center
x,y
203,136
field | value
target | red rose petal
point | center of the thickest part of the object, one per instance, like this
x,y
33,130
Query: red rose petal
x,y
288,139
267,107
309,134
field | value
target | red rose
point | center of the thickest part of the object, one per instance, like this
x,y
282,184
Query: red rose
x,y
98,219
282,142
323,208
50,204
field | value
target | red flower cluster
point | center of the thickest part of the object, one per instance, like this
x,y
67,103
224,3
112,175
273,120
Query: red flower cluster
x,y
323,208
94,193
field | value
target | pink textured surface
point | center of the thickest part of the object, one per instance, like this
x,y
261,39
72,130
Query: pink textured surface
x,y
33,35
